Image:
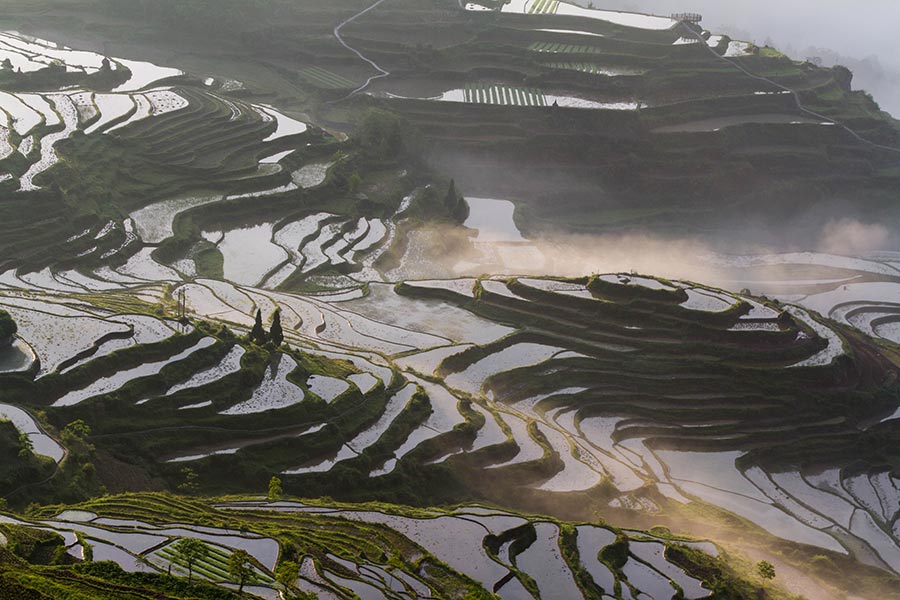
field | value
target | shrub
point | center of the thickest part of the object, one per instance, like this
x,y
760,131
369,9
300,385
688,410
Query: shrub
x,y
8,327
766,570
616,554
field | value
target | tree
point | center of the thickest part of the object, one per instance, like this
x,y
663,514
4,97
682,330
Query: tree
x,y
380,134
384,136
276,333
287,574
275,489
76,431
75,437
190,552
456,204
355,182
189,485
240,567
26,446
451,201
258,334
766,570
8,328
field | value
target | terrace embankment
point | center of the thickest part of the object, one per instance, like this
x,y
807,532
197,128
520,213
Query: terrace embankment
x,y
674,136
670,137
374,550
575,397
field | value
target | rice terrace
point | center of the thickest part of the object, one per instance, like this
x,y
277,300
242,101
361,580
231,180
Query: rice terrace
x,y
396,299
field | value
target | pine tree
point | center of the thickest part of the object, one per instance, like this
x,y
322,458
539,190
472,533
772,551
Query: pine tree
x,y
258,334
456,204
276,333
451,201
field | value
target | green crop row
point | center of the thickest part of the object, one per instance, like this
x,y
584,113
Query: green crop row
x,y
591,68
563,48
323,78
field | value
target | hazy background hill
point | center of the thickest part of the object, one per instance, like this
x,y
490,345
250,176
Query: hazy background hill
x,y
859,35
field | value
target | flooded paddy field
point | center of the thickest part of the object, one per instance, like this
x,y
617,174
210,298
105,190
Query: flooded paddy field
x,y
148,544
425,353
541,421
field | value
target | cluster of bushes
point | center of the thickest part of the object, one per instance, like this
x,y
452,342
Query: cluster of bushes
x,y
18,464
384,136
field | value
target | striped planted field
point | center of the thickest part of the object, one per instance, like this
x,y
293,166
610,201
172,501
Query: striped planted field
x,y
325,79
557,48
213,567
504,95
592,68
543,7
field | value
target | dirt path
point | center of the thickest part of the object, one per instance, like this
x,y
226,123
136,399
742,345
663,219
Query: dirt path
x,y
340,39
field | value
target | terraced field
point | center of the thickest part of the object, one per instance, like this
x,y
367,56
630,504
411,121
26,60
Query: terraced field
x,y
647,90
859,292
592,68
504,95
378,551
563,386
563,48
174,210
676,112
326,79
239,157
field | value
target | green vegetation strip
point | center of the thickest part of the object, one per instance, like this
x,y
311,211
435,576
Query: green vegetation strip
x,y
563,48
324,79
